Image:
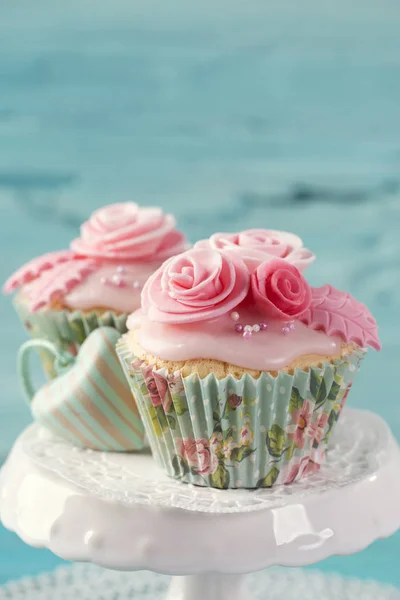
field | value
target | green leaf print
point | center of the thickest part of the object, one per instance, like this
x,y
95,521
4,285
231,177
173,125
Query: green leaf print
x,y
290,452
171,422
296,401
239,454
229,433
154,420
216,416
333,417
180,467
335,389
276,441
322,394
143,389
162,418
179,405
220,479
217,428
315,382
269,480
79,331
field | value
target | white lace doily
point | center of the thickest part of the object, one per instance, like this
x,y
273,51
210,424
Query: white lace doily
x,y
84,582
359,447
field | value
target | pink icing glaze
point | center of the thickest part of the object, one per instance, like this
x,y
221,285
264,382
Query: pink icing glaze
x,y
266,350
338,313
122,297
259,245
199,284
127,232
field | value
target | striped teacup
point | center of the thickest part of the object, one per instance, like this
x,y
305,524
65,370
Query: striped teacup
x,y
89,403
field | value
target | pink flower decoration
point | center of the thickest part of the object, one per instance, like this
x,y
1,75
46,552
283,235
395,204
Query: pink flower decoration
x,y
317,428
304,467
157,386
196,285
198,455
255,246
301,421
338,313
127,232
280,290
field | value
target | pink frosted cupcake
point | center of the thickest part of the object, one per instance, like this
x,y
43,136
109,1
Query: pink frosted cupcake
x,y
64,295
240,368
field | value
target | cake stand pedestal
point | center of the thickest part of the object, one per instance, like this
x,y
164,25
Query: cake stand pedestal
x,y
121,512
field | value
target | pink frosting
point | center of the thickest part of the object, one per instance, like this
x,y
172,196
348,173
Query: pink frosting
x,y
110,288
338,313
127,232
196,285
280,290
259,245
36,267
216,338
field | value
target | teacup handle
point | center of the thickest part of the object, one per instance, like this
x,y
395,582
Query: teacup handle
x,y
62,360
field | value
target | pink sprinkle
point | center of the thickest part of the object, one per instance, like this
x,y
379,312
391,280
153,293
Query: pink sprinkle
x,y
263,325
235,316
238,328
121,283
247,335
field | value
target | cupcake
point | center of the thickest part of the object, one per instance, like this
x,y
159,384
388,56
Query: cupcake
x,y
239,367
64,295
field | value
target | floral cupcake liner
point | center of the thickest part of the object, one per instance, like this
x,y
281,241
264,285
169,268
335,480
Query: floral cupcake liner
x,y
67,329
230,433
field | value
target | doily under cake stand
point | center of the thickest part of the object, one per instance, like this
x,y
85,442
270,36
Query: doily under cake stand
x,y
120,511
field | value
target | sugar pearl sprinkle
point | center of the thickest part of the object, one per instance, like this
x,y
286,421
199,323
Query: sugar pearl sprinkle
x,y
118,279
247,330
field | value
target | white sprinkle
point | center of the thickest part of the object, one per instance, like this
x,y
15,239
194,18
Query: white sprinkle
x,y
282,390
235,316
136,284
256,328
248,328
116,279
120,269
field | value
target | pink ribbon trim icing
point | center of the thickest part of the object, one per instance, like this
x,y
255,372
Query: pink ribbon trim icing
x,y
35,267
59,281
338,313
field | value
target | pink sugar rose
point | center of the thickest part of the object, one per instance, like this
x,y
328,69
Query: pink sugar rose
x,y
194,286
198,455
157,386
256,246
280,290
124,231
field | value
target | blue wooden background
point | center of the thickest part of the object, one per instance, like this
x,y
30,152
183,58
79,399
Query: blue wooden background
x,y
230,114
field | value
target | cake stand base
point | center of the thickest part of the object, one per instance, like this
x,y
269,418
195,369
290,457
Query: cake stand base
x,y
120,511
209,586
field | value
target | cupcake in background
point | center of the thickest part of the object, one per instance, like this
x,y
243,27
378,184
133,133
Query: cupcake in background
x,y
239,367
64,295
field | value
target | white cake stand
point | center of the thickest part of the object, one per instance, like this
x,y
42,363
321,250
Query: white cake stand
x,y
121,512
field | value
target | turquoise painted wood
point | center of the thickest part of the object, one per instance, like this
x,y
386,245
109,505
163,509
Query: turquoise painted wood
x,y
232,115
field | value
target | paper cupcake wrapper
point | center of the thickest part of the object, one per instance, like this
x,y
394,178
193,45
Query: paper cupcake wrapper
x,y
67,329
230,433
